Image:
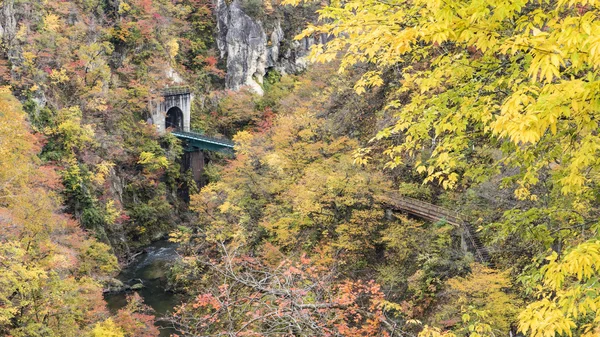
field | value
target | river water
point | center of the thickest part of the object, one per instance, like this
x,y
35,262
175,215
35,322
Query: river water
x,y
150,269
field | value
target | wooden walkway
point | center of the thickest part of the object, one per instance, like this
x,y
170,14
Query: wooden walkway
x,y
431,212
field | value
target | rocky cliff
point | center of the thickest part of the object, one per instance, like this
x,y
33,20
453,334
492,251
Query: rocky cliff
x,y
8,23
253,46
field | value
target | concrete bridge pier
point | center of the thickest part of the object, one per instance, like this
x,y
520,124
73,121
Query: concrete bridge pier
x,y
195,162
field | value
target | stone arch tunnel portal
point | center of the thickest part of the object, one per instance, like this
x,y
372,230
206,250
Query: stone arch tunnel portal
x,y
172,110
174,119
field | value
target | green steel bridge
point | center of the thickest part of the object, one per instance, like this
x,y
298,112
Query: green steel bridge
x,y
196,141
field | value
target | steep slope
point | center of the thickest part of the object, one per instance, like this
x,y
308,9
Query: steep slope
x,y
51,268
85,72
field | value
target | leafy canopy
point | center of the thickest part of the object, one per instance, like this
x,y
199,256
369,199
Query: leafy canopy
x,y
523,74
568,296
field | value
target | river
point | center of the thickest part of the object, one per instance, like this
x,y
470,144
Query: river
x,y
151,269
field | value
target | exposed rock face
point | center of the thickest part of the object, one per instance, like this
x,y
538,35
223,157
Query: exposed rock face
x,y
251,51
12,48
8,23
287,55
243,41
8,32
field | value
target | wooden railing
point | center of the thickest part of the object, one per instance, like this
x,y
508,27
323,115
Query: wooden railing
x,y
431,212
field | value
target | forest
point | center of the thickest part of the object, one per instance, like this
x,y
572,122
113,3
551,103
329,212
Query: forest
x,y
275,168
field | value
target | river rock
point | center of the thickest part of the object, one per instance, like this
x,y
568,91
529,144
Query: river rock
x,y
137,286
113,285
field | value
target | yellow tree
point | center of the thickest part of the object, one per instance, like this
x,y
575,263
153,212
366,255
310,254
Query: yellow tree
x,y
48,284
475,77
522,73
568,296
297,182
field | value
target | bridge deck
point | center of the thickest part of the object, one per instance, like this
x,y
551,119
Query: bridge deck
x,y
424,210
200,141
431,212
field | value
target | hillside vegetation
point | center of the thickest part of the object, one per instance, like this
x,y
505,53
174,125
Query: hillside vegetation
x,y
487,109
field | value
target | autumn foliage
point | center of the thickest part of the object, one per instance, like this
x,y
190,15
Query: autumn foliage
x,y
486,108
50,266
288,298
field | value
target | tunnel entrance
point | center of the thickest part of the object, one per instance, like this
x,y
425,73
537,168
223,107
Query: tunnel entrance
x,y
174,119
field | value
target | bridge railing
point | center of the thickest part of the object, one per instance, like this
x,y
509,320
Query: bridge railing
x,y
202,137
433,212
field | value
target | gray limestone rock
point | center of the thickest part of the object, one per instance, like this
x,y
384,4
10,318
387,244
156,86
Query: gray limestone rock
x,y
8,23
251,51
244,42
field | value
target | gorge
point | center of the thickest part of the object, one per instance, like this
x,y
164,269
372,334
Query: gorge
x,y
299,168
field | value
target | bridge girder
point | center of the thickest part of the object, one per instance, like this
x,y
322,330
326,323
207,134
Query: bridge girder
x,y
196,141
